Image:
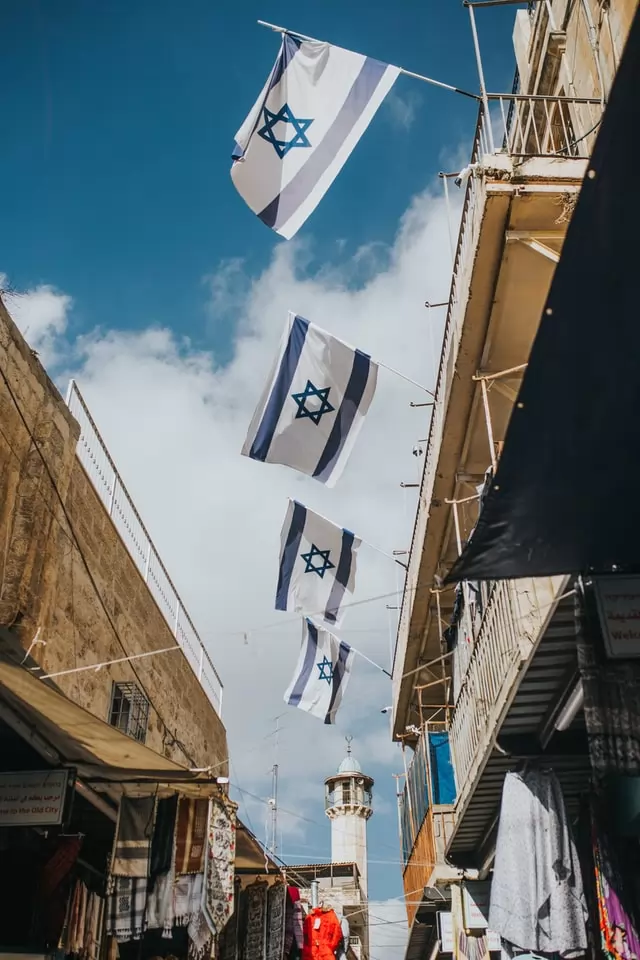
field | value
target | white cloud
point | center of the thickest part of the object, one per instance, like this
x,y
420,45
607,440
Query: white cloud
x,y
41,314
175,419
402,110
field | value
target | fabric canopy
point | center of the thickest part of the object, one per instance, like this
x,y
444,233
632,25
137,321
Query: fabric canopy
x,y
80,738
565,496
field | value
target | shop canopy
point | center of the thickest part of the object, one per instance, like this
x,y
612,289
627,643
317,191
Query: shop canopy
x,y
77,736
565,495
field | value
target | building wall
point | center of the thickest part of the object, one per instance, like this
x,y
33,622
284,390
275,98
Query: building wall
x,y
67,579
349,842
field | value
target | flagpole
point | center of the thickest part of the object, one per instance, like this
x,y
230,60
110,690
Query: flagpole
x,y
407,73
372,662
403,377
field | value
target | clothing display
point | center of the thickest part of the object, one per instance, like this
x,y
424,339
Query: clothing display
x,y
619,931
537,897
191,835
291,940
126,904
229,941
187,898
218,895
256,924
133,837
473,947
322,934
82,927
162,845
276,910
160,902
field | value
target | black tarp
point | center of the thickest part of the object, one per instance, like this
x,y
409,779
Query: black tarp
x,y
566,496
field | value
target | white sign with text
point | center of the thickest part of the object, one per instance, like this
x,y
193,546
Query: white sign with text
x,y
33,798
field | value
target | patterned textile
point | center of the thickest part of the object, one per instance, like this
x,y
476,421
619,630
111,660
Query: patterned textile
x,y
276,906
230,937
133,837
217,903
256,926
618,929
611,696
199,937
472,948
126,904
92,928
187,898
191,835
162,844
160,904
537,897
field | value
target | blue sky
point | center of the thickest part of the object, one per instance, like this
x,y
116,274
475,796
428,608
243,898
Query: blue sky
x,y
118,123
118,127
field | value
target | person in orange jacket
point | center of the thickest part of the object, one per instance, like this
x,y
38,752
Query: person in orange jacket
x,y
322,934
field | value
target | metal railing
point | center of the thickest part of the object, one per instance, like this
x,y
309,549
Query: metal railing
x,y
538,126
496,649
101,470
525,127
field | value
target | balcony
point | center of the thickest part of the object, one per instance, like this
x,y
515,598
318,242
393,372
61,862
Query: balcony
x,y
426,814
527,163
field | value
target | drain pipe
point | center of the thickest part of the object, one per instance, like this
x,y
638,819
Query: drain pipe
x,y
595,46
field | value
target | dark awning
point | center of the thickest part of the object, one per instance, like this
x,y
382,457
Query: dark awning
x,y
565,497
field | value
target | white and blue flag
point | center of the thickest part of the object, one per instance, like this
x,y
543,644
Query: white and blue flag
x,y
322,673
315,106
317,565
314,403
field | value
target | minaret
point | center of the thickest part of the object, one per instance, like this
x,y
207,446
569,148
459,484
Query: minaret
x,y
348,806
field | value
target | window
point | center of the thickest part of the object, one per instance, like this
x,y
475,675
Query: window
x,y
346,792
129,710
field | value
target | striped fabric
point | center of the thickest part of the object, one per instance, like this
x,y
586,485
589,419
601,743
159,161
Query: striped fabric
x,y
133,837
317,565
313,109
314,404
321,674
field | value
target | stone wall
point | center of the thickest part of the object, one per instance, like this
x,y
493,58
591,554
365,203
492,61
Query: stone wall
x,y
67,578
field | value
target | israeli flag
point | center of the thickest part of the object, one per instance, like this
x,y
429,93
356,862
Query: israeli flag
x,y
314,403
314,108
322,673
317,565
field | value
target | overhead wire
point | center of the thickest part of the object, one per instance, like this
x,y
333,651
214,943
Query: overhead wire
x,y
85,563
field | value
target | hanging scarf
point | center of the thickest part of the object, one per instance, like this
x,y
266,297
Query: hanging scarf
x,y
133,837
126,908
199,937
276,908
256,927
217,903
187,898
162,844
160,904
618,931
229,939
191,835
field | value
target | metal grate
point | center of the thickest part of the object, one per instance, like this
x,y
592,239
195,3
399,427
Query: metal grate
x,y
129,710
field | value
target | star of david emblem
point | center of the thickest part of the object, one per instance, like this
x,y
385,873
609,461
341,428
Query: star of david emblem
x,y
323,567
285,116
326,670
317,413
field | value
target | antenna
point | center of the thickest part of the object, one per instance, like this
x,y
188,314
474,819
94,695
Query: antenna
x,y
273,802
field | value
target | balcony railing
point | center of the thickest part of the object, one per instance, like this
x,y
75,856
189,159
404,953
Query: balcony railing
x,y
96,460
522,128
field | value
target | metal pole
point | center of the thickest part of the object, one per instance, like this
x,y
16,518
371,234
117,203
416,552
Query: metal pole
x,y
315,896
448,206
407,73
483,87
487,416
456,521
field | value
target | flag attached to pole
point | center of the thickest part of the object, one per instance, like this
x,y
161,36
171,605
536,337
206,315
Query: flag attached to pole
x,y
315,106
317,565
322,673
314,403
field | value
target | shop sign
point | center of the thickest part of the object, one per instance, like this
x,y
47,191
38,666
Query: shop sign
x,y
475,904
33,798
445,932
618,600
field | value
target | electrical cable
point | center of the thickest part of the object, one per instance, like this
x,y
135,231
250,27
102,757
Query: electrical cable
x,y
85,563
